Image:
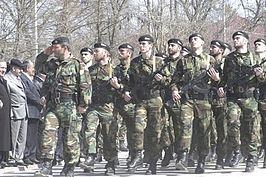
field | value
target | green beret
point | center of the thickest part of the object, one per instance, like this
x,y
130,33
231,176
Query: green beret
x,y
126,46
175,41
102,45
146,37
195,35
260,40
86,49
218,43
228,46
61,40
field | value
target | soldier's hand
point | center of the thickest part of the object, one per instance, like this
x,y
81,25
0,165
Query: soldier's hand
x,y
114,82
221,92
81,110
127,96
48,51
158,77
258,71
175,95
213,74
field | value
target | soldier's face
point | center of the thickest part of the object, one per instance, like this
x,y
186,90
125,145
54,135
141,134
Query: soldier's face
x,y
16,70
99,54
260,47
240,41
173,48
215,50
3,67
144,46
86,57
124,53
196,42
59,50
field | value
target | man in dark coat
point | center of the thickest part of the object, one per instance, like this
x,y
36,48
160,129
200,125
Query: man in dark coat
x,y
5,106
35,105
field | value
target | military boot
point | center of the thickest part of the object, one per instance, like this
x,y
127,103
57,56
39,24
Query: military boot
x,y
264,162
167,157
201,165
152,166
181,161
235,159
68,170
88,164
219,163
46,169
99,156
136,162
250,165
110,168
190,160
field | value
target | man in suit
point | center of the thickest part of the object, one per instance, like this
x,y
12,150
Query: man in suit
x,y
5,140
18,112
35,105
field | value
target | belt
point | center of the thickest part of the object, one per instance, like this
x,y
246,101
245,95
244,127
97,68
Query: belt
x,y
63,97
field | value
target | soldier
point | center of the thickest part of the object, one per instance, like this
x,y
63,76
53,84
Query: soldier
x,y
145,85
260,49
101,111
242,105
171,128
68,95
194,101
228,49
123,109
217,49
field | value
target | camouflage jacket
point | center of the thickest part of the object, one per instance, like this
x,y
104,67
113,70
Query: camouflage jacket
x,y
262,80
235,73
188,68
64,77
102,91
142,83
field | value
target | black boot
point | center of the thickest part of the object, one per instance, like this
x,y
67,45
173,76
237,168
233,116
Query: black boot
x,y
68,170
136,162
250,165
152,166
235,159
99,156
190,160
219,164
167,157
264,162
201,165
88,164
110,168
181,161
46,169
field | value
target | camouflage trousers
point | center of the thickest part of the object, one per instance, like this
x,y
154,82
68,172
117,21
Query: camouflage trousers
x,y
241,116
262,110
101,115
63,115
200,110
148,118
126,114
219,114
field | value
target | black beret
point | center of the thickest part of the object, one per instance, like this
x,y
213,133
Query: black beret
x,y
86,49
195,35
61,40
186,48
218,43
146,37
102,45
17,63
228,46
163,55
176,41
260,40
126,46
241,33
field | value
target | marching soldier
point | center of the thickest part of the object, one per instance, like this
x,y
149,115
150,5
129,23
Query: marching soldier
x,y
242,105
68,95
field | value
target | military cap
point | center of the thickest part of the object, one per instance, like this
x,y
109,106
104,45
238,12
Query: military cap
x,y
146,37
86,49
17,63
228,46
260,40
186,49
61,40
163,55
218,43
195,35
241,33
102,45
175,41
126,46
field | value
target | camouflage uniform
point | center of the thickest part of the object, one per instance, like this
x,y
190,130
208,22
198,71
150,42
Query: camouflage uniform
x,y
145,91
67,86
242,106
